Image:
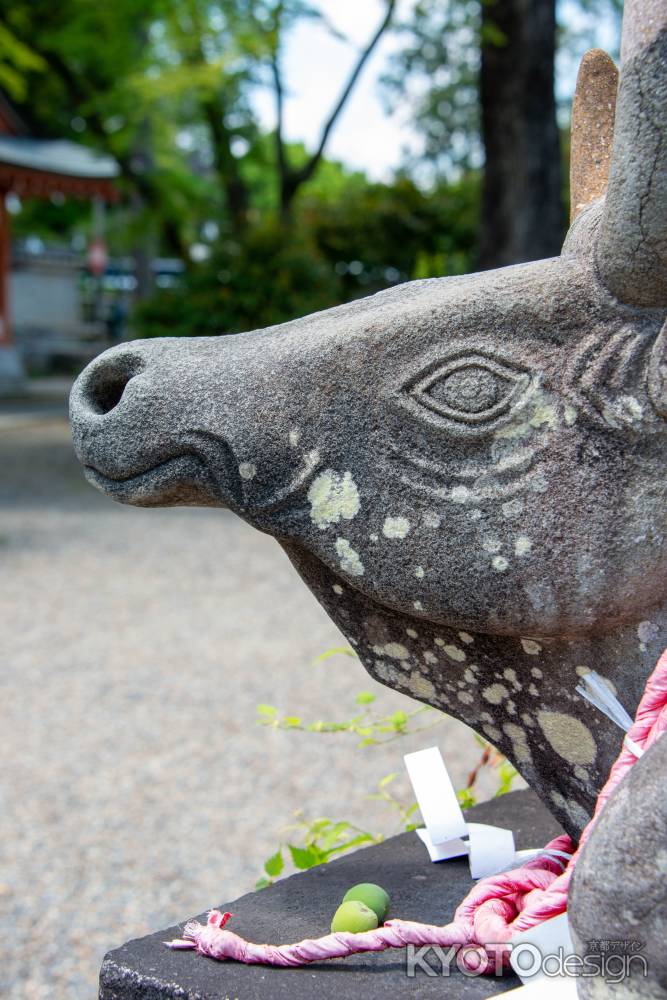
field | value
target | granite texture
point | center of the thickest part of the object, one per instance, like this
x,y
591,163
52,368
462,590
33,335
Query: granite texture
x,y
302,906
618,888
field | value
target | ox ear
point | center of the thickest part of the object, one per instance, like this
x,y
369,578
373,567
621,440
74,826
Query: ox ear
x,y
592,132
632,243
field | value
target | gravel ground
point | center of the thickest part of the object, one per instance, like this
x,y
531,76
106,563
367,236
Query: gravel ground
x,y
135,646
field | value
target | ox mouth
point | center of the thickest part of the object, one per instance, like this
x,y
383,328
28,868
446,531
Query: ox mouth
x,y
179,481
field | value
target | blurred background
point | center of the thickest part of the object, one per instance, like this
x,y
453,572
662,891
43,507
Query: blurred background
x,y
186,167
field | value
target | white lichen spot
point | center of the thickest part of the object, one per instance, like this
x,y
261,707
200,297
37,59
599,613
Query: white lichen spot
x,y
430,657
395,527
396,651
523,545
420,687
431,519
513,508
383,670
539,483
460,494
470,677
630,409
419,572
411,632
466,637
499,563
337,589
519,742
439,641
527,719
531,647
536,673
568,736
510,675
417,605
294,437
544,414
247,470
454,653
490,544
373,537
510,707
493,733
495,693
569,414
475,515
333,497
576,812
582,774
349,558
533,690
465,697
485,717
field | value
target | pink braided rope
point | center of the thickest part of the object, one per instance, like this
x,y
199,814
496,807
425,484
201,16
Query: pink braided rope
x,y
494,910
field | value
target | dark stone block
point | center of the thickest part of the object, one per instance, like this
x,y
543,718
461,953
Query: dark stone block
x,y
302,906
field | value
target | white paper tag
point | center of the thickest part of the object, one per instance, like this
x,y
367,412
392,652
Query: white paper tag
x,y
491,849
435,794
442,852
561,988
530,948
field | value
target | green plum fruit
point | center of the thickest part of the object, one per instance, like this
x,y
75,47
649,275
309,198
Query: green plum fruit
x,y
355,917
374,896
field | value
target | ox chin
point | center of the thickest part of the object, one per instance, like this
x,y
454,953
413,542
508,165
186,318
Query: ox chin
x,y
180,481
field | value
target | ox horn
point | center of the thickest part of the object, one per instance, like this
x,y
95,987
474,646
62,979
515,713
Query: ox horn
x,y
632,243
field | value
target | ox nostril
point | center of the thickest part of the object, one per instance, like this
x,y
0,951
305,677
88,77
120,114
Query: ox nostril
x,y
108,380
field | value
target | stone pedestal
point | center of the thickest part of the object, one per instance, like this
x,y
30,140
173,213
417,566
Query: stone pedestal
x,y
302,906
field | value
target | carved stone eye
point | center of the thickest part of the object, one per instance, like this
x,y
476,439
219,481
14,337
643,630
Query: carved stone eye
x,y
470,390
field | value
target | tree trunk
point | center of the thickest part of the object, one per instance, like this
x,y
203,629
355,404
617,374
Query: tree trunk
x,y
522,211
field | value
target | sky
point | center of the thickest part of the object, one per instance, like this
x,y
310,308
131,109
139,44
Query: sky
x,y
315,66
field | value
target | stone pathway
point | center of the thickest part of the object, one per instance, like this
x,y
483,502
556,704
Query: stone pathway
x,y
135,645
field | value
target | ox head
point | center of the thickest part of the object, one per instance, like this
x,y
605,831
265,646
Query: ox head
x,y
464,470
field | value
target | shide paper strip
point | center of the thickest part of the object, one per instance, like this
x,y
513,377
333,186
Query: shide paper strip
x,y
490,848
530,948
435,794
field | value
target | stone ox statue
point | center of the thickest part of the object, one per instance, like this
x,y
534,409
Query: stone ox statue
x,y
469,473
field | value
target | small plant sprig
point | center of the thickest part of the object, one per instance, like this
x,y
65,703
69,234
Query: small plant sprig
x,y
322,838
373,728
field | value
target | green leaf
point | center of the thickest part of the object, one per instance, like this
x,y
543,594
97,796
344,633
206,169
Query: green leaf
x,y
387,780
335,651
274,865
304,857
365,698
267,710
263,883
292,721
399,720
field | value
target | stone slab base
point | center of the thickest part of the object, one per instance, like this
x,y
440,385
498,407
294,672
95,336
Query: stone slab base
x,y
302,906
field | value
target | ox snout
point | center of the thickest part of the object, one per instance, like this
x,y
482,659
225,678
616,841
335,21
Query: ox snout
x,y
100,388
127,433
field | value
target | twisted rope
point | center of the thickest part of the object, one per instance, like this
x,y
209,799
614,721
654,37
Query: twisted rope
x,y
495,909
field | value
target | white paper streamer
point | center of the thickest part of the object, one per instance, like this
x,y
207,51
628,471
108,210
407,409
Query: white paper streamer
x,y
594,689
491,849
551,937
560,988
435,795
442,852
